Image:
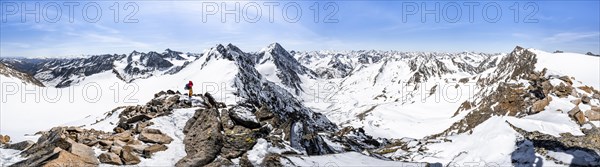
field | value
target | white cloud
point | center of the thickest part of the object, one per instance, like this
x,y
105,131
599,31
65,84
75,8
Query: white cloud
x,y
572,36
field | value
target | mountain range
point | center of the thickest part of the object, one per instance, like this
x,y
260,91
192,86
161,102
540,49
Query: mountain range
x,y
277,107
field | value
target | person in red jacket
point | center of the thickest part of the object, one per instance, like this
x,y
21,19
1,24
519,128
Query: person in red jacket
x,y
189,86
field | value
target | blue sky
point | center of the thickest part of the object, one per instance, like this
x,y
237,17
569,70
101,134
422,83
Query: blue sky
x,y
193,26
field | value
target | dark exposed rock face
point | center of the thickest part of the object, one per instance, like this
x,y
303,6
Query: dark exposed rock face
x,y
203,140
287,109
8,71
151,61
65,72
62,71
20,145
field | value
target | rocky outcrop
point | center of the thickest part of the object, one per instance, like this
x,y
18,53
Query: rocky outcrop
x,y
131,138
583,148
203,140
289,111
58,146
216,136
136,116
513,98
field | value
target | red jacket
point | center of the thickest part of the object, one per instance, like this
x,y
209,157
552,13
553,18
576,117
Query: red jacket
x,y
190,84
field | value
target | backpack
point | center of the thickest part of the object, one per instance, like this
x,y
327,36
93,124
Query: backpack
x,y
187,87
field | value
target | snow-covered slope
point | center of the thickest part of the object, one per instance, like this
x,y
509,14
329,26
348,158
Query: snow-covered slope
x,y
584,68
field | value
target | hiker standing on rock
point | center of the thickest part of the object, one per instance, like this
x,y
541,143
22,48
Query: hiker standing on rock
x,y
188,87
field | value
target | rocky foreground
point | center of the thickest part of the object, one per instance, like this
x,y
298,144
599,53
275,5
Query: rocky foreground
x,y
214,136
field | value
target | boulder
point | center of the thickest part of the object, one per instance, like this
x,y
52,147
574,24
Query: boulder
x,y
562,91
118,130
203,140
243,114
84,152
592,115
566,79
219,162
4,139
20,145
105,143
88,141
116,149
136,148
124,136
580,118
110,158
576,101
574,111
237,141
574,93
577,115
226,121
148,151
141,125
154,136
61,158
585,99
119,143
263,114
547,87
209,101
271,159
541,104
245,162
128,157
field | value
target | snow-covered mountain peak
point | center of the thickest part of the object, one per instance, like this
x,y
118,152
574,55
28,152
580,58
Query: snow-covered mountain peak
x,y
278,65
